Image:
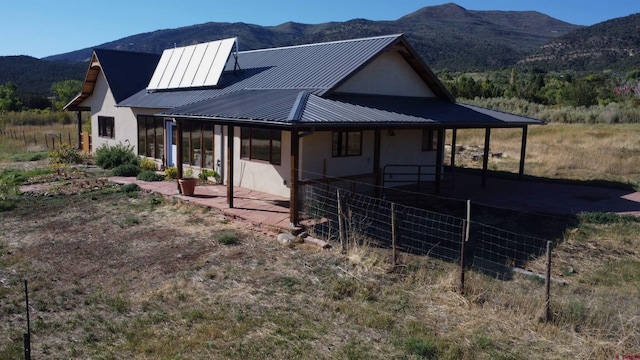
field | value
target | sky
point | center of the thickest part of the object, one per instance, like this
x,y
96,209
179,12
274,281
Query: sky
x,y
41,28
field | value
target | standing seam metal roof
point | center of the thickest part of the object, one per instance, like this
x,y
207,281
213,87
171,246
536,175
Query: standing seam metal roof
x,y
314,67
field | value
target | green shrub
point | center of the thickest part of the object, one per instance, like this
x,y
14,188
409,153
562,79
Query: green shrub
x,y
171,172
65,154
126,170
147,175
227,238
605,218
205,174
110,157
129,188
148,165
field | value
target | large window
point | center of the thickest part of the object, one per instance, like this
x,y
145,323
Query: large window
x,y
429,140
346,143
261,144
106,127
150,137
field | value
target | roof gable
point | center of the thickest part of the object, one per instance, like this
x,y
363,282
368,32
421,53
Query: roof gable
x,y
319,68
125,72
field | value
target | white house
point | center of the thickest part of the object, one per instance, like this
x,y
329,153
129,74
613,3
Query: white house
x,y
274,118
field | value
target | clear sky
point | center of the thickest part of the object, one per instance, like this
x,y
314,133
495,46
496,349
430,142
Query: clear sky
x,y
41,28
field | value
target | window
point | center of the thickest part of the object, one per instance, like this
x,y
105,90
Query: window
x,y
261,144
429,140
346,143
106,127
150,136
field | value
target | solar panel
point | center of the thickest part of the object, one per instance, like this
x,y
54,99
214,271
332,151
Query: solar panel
x,y
198,65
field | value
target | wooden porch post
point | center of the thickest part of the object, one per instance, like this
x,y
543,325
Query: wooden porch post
x,y
439,160
230,130
376,162
523,149
485,157
454,138
179,151
293,181
79,118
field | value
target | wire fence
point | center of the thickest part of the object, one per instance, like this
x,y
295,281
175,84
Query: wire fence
x,y
341,215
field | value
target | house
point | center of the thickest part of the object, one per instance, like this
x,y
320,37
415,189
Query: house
x,y
273,118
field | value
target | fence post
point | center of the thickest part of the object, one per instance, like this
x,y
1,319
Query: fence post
x,y
463,250
547,286
394,235
341,225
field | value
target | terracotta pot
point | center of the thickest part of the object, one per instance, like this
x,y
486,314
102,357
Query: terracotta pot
x,y
187,186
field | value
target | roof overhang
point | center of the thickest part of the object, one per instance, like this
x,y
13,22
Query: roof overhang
x,y
88,86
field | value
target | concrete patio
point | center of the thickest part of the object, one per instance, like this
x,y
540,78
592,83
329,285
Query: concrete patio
x,y
264,210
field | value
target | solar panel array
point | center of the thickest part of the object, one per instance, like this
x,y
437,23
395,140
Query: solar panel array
x,y
191,66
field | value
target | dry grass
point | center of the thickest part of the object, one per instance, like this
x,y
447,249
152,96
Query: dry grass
x,y
117,275
28,142
567,151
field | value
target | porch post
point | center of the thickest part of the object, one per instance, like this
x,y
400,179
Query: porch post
x,y
376,162
523,149
293,181
179,150
230,130
79,118
485,157
439,160
454,138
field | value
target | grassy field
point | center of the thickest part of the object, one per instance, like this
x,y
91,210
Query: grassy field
x,y
116,273
582,152
32,142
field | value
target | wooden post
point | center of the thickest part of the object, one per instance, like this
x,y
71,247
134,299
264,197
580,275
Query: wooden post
x,y
523,150
341,225
485,158
376,162
293,182
79,119
547,286
179,151
454,138
230,131
394,236
439,160
463,247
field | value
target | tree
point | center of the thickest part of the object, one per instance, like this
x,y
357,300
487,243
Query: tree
x,y
65,91
9,100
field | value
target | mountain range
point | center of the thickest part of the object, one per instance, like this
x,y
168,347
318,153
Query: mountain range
x,y
447,37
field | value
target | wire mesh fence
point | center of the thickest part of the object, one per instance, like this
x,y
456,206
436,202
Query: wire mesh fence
x,y
341,215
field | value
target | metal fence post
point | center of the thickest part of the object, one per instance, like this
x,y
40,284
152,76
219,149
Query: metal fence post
x,y
394,235
341,225
547,286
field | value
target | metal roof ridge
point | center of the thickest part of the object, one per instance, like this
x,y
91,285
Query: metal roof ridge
x,y
298,106
323,43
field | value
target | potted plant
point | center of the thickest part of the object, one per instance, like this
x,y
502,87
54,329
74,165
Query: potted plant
x,y
188,183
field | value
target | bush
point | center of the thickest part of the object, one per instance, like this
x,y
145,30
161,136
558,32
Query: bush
x,y
126,170
171,172
148,165
147,175
129,188
110,157
65,155
227,238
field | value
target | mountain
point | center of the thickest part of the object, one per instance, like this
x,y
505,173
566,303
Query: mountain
x,y
612,44
34,77
446,36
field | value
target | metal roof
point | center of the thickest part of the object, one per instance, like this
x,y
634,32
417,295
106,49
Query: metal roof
x,y
318,68
301,108
125,71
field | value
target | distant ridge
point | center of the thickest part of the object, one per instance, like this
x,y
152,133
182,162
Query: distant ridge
x,y
613,44
446,36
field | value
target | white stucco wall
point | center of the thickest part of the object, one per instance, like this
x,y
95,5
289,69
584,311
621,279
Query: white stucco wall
x,y
261,175
388,74
315,150
102,103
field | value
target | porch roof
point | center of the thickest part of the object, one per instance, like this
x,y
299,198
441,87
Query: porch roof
x,y
304,108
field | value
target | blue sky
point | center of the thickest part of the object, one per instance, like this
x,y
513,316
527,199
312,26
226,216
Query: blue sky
x,y
41,28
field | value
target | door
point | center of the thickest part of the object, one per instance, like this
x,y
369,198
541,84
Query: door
x,y
171,144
